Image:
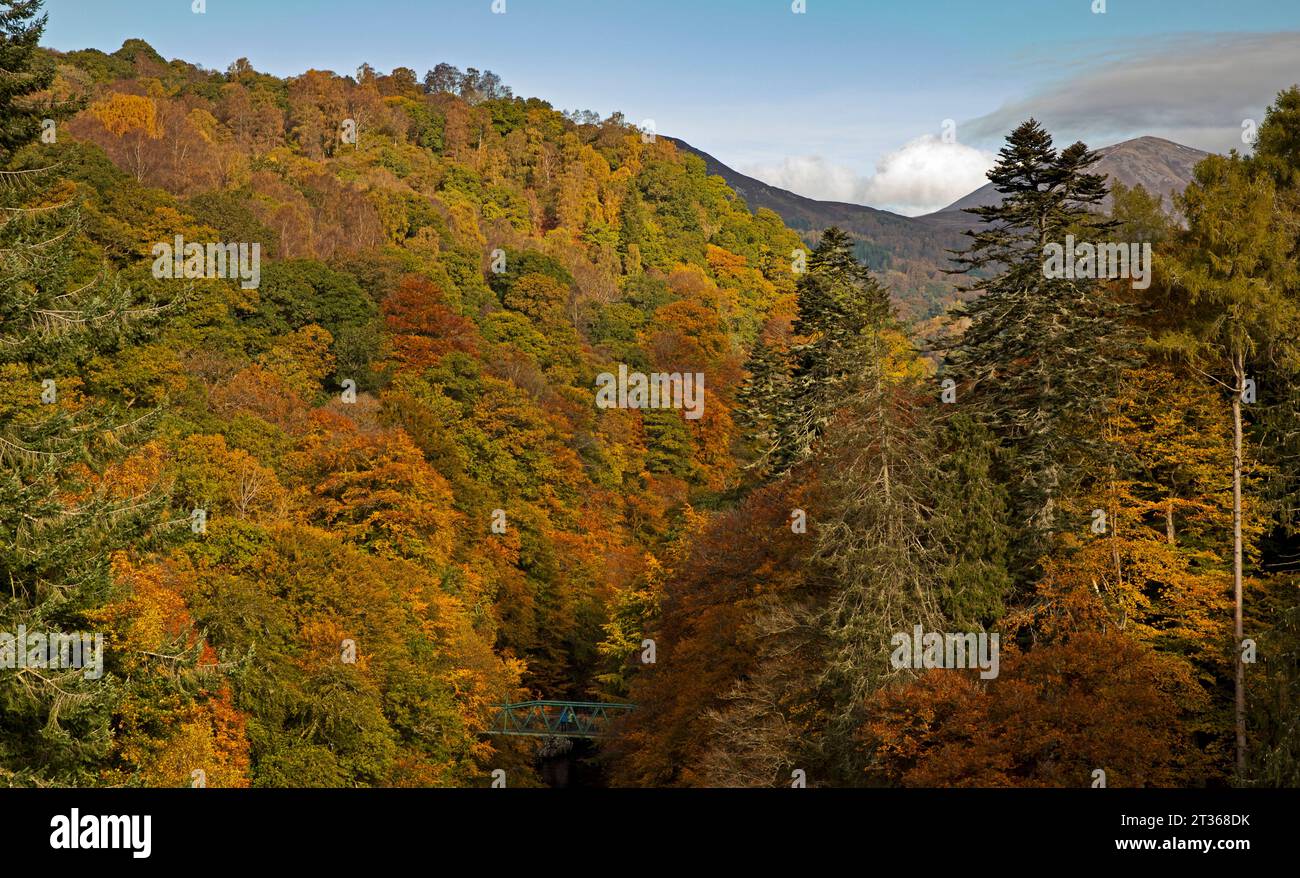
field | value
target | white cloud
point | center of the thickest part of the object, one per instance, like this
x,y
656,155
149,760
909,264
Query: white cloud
x,y
922,176
1192,89
811,176
927,174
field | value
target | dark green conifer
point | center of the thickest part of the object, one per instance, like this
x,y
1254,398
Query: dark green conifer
x,y
1040,357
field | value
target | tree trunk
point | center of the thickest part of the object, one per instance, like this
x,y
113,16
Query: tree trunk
x,y
1239,371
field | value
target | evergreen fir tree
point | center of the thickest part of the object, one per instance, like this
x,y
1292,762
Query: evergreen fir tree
x,y
876,556
839,303
1040,357
59,522
24,75
761,400
970,523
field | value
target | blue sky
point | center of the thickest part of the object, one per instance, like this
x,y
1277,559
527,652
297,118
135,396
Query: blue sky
x,y
846,100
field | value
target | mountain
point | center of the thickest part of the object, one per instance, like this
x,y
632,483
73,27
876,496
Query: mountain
x,y
910,253
1158,165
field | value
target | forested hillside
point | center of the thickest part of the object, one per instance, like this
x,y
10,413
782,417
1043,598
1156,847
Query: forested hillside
x,y
414,367
331,497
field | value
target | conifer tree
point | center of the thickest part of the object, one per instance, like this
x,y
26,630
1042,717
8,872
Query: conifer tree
x,y
969,524
762,399
839,302
875,550
60,520
853,405
876,567
23,74
1040,356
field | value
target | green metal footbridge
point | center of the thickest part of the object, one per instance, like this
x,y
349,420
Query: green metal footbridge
x,y
563,719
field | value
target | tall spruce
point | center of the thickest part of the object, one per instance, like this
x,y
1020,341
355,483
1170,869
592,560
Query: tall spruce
x,y
839,303
1041,355
875,555
855,406
762,400
59,520
24,75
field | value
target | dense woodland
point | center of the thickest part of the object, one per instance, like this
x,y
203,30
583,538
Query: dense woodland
x,y
468,266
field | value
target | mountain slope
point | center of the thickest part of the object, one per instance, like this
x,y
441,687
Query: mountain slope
x,y
908,254
1158,165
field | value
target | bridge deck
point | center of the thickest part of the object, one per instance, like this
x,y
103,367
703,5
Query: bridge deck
x,y
564,719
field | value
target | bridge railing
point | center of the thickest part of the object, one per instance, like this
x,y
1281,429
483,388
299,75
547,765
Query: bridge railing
x,y
565,719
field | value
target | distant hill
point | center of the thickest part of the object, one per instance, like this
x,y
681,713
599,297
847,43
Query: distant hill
x,y
1157,164
910,253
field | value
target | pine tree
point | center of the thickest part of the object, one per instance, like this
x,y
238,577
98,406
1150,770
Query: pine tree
x,y
970,524
59,519
1041,354
761,400
876,554
839,302
24,74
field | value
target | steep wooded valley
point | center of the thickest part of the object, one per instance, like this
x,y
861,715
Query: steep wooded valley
x,y
335,497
